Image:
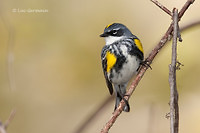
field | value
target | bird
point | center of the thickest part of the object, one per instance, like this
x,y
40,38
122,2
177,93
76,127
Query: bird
x,y
121,58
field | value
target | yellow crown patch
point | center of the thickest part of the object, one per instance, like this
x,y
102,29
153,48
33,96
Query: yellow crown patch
x,y
108,25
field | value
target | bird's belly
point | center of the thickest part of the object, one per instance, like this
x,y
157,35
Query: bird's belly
x,y
128,70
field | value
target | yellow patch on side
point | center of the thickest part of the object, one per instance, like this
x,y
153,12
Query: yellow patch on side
x,y
108,25
111,60
139,45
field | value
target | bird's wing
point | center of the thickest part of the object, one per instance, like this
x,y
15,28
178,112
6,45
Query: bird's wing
x,y
108,83
104,65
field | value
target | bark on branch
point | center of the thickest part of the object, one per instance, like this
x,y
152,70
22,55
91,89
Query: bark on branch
x,y
174,109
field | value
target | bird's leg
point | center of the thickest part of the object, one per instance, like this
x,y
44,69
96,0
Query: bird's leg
x,y
145,63
125,101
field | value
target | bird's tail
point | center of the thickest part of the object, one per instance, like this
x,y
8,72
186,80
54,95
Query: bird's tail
x,y
120,92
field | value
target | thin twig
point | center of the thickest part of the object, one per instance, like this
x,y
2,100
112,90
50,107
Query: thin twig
x,y
10,118
3,127
174,110
162,7
140,74
184,8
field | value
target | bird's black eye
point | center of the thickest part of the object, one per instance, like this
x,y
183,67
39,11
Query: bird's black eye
x,y
114,32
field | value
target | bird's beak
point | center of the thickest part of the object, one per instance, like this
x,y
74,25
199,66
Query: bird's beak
x,y
104,34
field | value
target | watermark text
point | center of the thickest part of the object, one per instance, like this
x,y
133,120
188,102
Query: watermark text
x,y
29,10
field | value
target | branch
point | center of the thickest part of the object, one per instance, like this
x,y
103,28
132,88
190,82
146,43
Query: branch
x,y
184,8
3,127
162,7
10,118
143,69
174,109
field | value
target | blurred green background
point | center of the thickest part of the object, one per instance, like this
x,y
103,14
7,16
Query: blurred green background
x,y
53,62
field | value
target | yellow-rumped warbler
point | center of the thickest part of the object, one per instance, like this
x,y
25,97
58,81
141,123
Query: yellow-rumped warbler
x,y
121,58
